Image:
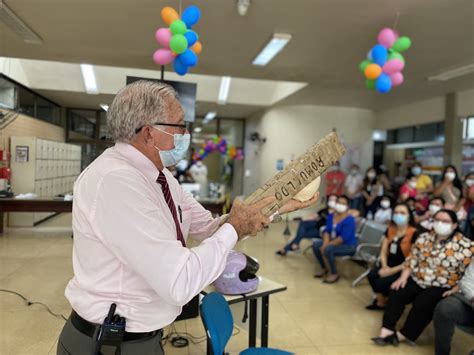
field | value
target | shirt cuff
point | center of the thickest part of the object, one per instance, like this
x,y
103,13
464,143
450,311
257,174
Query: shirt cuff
x,y
227,234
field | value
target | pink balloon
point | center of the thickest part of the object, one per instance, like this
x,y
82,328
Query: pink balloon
x,y
393,66
397,79
163,36
163,56
387,37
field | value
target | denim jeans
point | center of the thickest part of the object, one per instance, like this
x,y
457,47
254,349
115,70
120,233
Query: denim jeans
x,y
306,229
330,253
356,203
450,312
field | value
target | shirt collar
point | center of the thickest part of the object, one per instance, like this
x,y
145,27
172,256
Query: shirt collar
x,y
138,160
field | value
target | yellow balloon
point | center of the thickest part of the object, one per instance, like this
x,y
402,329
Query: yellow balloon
x,y
197,47
168,14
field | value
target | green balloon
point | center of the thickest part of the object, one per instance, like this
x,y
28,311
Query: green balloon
x,y
363,65
178,27
402,44
178,44
370,84
396,55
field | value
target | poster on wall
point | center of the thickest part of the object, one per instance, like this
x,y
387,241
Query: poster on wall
x,y
22,154
186,95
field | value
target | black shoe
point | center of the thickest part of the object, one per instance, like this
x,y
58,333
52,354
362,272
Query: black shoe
x,y
374,306
391,339
281,253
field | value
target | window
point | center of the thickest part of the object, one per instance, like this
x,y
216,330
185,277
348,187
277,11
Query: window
x,y
47,111
26,104
7,94
468,128
82,124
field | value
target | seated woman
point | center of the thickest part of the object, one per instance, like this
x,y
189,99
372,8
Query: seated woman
x,y
437,262
339,239
395,248
408,189
425,221
309,228
384,213
457,310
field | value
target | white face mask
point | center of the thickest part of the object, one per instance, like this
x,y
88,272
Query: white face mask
x,y
371,175
434,208
385,204
340,208
412,184
173,156
470,182
332,204
416,170
450,175
442,229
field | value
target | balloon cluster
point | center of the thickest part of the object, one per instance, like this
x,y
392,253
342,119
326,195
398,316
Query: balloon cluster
x,y
180,42
218,144
384,64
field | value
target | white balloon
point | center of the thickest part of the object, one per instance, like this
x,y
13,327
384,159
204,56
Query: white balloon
x,y
309,191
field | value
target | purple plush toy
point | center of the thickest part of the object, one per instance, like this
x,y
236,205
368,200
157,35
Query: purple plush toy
x,y
238,276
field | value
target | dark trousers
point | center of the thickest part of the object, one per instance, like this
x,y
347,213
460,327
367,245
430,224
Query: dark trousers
x,y
356,203
424,301
73,342
381,284
450,312
306,229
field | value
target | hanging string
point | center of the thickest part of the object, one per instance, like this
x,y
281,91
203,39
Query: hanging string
x,y
396,21
180,7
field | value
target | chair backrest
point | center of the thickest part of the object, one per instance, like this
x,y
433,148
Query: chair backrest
x,y
217,319
372,232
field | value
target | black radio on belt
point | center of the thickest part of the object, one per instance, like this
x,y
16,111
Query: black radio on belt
x,y
112,330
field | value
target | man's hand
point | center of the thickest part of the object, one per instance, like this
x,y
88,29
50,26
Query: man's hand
x,y
294,205
248,219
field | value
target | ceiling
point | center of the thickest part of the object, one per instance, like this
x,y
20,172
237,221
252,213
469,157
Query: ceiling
x,y
330,38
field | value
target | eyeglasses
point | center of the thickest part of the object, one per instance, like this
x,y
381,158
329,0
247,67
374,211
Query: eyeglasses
x,y
183,126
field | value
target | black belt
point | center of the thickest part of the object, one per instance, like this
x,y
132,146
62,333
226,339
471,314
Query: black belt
x,y
89,329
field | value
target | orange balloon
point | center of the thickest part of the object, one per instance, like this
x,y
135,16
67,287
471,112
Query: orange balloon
x,y
168,14
372,71
197,47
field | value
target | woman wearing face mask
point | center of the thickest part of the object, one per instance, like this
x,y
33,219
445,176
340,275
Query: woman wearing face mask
x,y
384,213
426,220
408,189
309,228
450,188
339,239
432,271
395,248
372,192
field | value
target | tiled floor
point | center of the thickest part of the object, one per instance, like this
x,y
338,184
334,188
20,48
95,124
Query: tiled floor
x,y
309,318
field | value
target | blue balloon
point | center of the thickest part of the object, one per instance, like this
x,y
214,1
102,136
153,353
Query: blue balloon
x,y
179,67
192,37
383,84
191,15
188,58
379,54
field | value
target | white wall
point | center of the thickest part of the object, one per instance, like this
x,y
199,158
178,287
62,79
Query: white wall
x,y
426,111
290,130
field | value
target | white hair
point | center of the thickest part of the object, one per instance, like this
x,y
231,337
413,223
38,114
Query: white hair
x,y
136,105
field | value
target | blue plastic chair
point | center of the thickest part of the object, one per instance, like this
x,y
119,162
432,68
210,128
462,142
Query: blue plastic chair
x,y
219,324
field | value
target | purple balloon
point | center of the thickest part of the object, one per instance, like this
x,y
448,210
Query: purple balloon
x,y
163,36
393,66
163,56
387,37
397,79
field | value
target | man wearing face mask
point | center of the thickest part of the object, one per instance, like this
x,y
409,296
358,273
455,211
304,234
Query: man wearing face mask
x,y
131,222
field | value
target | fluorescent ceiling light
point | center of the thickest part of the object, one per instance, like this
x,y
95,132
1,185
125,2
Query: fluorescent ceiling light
x,y
273,47
224,90
17,25
198,130
210,116
104,107
89,79
454,73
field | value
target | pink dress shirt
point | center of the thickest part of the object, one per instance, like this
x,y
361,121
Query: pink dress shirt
x,y
126,248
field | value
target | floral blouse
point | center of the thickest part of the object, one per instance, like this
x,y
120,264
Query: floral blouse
x,y
439,263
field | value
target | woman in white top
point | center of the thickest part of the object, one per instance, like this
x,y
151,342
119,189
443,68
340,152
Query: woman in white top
x,y
384,213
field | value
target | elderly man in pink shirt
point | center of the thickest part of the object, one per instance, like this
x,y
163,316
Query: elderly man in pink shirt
x,y
131,222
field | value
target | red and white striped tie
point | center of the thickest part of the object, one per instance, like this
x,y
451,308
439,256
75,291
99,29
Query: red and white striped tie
x,y
169,200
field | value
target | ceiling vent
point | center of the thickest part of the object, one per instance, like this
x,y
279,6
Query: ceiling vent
x,y
16,24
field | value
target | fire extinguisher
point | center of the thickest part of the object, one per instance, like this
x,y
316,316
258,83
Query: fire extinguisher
x,y
5,173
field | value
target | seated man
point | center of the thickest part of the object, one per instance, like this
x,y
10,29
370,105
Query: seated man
x,y
309,228
457,309
339,239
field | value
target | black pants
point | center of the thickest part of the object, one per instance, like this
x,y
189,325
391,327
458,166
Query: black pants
x,y
451,311
381,284
424,302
